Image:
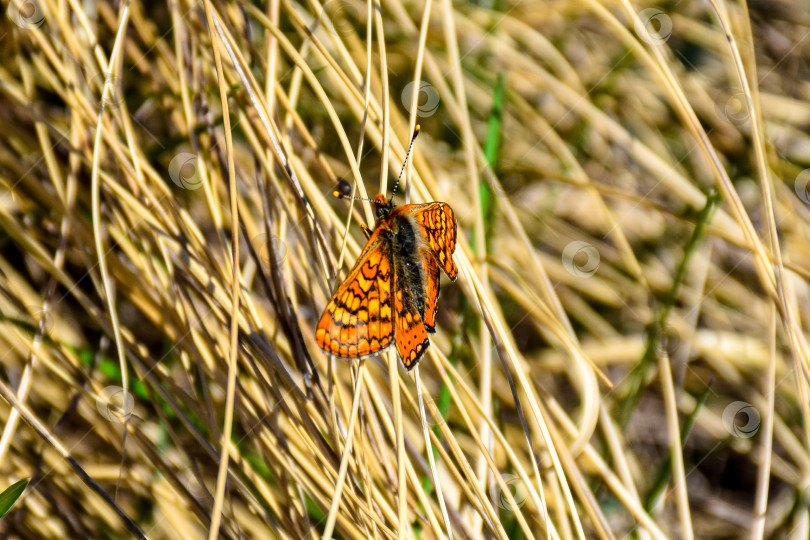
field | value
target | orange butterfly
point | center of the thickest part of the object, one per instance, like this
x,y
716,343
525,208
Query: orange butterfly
x,y
391,295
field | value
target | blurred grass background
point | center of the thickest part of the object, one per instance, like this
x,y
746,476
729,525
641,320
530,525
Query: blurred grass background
x,y
624,353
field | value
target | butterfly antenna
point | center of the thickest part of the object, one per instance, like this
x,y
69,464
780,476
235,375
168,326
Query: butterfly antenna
x,y
407,154
344,191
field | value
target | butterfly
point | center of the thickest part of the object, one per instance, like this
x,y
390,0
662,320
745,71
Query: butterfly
x,y
391,294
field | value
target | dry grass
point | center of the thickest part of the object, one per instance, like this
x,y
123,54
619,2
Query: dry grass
x,y
624,353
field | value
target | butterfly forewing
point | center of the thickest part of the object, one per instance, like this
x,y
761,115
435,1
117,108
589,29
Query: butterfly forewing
x,y
358,321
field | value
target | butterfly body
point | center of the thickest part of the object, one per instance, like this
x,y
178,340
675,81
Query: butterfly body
x,y
390,296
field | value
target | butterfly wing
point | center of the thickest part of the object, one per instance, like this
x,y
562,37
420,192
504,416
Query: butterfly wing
x,y
437,222
358,321
430,272
411,335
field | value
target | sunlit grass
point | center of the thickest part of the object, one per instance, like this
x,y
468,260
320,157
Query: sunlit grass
x,y
622,354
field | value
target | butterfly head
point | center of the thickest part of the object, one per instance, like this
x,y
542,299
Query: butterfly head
x,y
382,206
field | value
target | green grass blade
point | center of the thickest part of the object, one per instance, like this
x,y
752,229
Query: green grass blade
x,y
665,473
635,381
11,494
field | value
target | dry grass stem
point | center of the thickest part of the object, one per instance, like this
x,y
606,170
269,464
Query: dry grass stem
x,y
625,350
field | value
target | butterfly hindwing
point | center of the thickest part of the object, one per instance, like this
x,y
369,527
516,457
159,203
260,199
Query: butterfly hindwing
x,y
430,273
411,335
358,321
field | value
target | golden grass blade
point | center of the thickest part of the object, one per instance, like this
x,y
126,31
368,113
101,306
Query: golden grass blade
x,y
396,407
764,472
233,352
120,230
346,454
429,451
108,289
674,434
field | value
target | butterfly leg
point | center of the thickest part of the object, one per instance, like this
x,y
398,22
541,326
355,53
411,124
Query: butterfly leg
x,y
366,230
